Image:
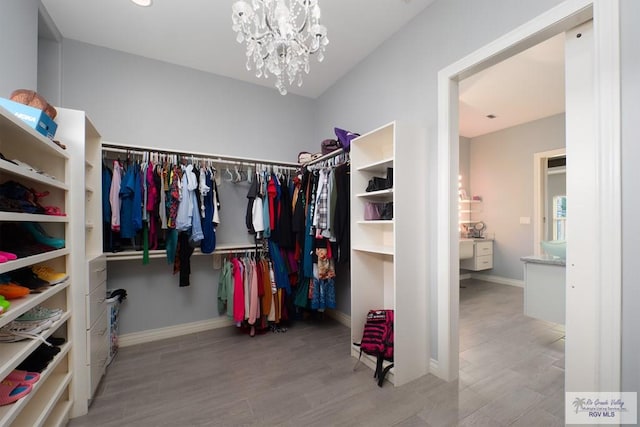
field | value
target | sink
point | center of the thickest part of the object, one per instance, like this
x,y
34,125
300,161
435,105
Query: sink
x,y
555,248
466,248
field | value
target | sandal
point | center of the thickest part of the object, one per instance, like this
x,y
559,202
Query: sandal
x,y
11,391
24,377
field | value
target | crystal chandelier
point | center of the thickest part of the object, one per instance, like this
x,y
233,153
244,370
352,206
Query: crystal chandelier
x,y
280,36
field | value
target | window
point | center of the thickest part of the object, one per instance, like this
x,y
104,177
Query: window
x,y
559,218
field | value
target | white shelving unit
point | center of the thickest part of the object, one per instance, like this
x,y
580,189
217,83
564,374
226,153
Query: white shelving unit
x,y
77,131
49,395
386,272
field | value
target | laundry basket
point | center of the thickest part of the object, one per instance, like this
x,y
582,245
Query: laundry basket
x,y
113,309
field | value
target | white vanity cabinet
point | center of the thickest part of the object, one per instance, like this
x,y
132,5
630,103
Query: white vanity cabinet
x,y
482,258
544,288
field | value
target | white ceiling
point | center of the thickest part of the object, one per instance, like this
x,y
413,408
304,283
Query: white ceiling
x,y
525,87
197,33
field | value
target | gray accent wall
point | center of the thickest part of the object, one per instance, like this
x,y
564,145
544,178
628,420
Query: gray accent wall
x,y
139,101
18,46
630,87
501,170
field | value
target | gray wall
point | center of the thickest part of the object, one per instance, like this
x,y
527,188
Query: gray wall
x,y
18,45
465,162
139,101
134,100
49,70
502,173
630,70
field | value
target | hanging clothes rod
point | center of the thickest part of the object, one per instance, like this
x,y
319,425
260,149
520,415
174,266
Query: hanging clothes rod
x,y
117,148
327,156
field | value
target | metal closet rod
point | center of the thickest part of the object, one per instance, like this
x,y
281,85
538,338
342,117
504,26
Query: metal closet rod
x,y
327,156
216,158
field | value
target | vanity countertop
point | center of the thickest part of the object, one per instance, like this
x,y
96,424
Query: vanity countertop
x,y
544,259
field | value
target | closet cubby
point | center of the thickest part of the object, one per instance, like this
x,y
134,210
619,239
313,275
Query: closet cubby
x,y
45,167
384,253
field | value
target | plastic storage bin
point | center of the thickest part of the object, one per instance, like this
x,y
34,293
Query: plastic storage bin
x,y
113,309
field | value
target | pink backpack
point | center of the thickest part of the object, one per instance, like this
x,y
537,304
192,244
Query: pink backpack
x,y
377,340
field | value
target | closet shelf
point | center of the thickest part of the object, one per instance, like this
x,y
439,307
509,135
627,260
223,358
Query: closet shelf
x,y
378,222
380,194
35,177
12,354
39,403
161,253
377,167
34,259
375,249
469,201
21,305
27,217
18,131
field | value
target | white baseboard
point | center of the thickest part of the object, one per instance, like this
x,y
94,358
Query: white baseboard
x,y
151,335
499,280
434,368
342,318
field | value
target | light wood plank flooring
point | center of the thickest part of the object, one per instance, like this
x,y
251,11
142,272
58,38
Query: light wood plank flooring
x,y
512,373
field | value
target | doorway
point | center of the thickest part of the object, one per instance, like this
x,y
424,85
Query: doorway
x,y
593,267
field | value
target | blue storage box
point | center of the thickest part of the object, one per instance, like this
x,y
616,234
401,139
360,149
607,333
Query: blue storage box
x,y
33,117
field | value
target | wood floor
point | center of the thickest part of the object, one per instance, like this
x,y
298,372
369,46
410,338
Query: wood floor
x,y
512,373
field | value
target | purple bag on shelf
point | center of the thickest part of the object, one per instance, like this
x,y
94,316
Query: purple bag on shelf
x,y
378,211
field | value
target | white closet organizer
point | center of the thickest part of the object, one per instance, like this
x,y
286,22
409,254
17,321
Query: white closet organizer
x,y
217,159
386,266
51,399
83,142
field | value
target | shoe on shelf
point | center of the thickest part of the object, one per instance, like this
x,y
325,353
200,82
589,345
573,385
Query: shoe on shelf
x,y
26,277
41,236
13,291
12,391
8,255
4,304
24,377
39,313
18,331
49,274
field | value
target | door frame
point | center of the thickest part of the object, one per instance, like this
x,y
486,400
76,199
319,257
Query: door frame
x,y
539,191
604,343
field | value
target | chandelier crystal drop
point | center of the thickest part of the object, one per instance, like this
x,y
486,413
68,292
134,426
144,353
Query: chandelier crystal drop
x,y
280,36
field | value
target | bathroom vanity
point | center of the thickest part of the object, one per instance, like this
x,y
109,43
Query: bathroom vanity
x,y
544,288
476,254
